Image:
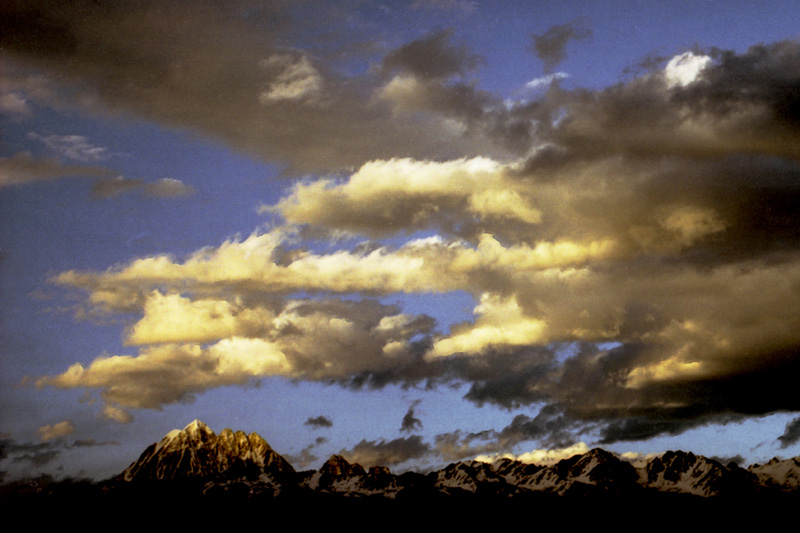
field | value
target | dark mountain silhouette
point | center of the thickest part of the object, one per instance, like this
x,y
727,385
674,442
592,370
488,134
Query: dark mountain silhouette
x,y
192,466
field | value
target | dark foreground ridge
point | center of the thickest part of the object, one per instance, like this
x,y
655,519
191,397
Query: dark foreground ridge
x,y
195,466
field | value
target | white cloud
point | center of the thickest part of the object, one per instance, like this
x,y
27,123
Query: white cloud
x,y
315,340
685,68
501,323
542,457
75,147
545,81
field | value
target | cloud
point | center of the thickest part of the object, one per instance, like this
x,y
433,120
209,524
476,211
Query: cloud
x,y
14,105
116,414
540,457
297,79
110,188
406,195
56,431
634,268
320,421
738,104
545,81
305,339
411,422
229,70
685,69
549,426
74,147
386,453
432,58
736,459
551,46
791,435
168,188
465,7
163,188
502,324
36,457
25,168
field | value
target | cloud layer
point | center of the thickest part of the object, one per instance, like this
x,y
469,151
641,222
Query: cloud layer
x,y
632,251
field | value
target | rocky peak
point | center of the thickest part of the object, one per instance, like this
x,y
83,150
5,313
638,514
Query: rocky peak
x,y
197,452
197,427
338,466
379,471
781,473
679,471
468,476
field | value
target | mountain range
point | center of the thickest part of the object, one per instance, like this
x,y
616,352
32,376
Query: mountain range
x,y
234,463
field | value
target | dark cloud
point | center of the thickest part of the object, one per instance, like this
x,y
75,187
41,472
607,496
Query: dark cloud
x,y
306,455
792,433
388,453
736,459
511,380
590,389
87,443
670,407
38,458
320,421
433,57
35,455
411,422
551,46
739,104
549,427
225,72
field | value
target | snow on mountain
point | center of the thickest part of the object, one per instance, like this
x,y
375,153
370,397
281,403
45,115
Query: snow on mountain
x,y
688,473
235,461
337,475
468,476
782,474
596,470
196,452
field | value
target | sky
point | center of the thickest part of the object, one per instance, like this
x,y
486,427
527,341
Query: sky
x,y
409,232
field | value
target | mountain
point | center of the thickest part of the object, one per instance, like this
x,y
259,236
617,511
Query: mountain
x,y
236,464
196,452
474,477
339,476
783,475
687,473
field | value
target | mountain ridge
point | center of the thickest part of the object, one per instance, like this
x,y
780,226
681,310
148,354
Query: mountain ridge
x,y
235,461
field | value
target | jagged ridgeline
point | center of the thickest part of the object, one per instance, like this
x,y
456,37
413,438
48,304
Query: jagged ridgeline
x,y
237,463
196,452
